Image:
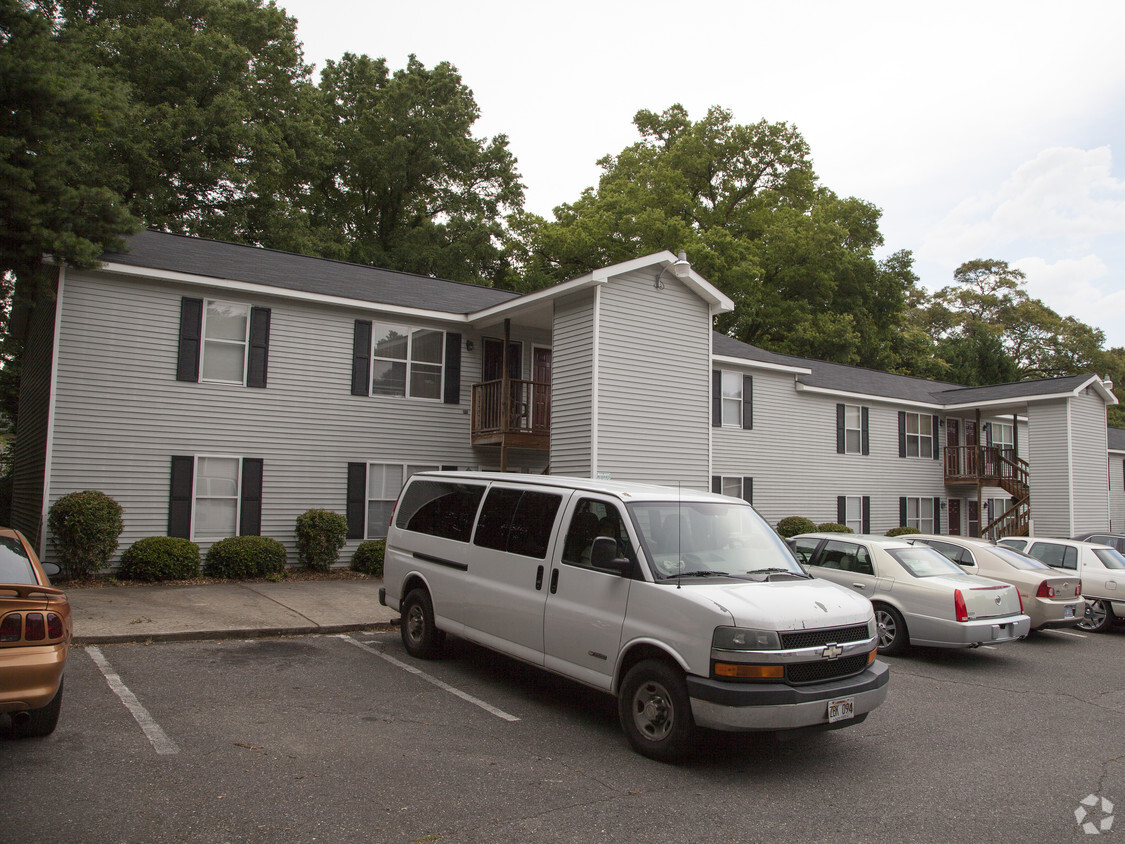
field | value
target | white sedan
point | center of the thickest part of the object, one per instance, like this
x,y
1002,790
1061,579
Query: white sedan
x,y
920,596
1101,568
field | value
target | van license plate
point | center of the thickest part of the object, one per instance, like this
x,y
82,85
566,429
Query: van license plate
x,y
841,709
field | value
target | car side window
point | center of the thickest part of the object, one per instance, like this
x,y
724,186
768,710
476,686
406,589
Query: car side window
x,y
956,553
1058,556
846,556
803,549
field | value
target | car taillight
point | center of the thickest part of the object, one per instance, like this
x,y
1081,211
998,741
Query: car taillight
x,y
1018,595
36,628
10,627
54,626
1045,591
959,606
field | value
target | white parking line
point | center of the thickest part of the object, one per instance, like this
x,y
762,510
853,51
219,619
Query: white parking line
x,y
1069,633
499,713
157,736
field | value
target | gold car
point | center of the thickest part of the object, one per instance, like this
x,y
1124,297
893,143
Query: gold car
x,y
35,631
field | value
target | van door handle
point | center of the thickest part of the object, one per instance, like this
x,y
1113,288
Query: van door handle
x,y
554,581
858,585
539,579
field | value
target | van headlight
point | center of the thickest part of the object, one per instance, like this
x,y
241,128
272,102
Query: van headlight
x,y
745,639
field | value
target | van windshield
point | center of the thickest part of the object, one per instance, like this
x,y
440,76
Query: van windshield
x,y
710,539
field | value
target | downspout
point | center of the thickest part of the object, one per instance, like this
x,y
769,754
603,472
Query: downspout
x,y
595,380
1070,467
981,516
505,397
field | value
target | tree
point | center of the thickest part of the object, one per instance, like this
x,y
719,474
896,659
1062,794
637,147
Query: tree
x,y
405,184
743,201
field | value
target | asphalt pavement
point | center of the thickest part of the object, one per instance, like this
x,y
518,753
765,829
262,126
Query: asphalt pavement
x,y
116,614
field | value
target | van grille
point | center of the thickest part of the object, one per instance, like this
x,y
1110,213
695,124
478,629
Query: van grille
x,y
818,638
817,672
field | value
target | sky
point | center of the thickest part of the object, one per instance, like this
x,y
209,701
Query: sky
x,y
984,129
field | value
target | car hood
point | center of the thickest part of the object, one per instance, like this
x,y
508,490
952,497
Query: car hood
x,y
788,605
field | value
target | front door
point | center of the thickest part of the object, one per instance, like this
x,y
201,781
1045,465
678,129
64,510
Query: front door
x,y
952,452
492,362
974,517
970,453
954,516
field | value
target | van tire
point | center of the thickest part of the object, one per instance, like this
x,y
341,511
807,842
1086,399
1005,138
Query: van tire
x,y
419,632
655,711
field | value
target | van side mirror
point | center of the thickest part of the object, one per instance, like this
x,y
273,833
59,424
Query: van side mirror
x,y
603,555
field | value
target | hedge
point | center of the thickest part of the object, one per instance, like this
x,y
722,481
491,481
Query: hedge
x,y
160,558
368,557
320,536
793,525
86,526
902,531
245,557
834,527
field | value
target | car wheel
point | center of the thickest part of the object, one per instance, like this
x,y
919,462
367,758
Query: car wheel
x,y
41,722
1099,616
891,629
419,632
655,711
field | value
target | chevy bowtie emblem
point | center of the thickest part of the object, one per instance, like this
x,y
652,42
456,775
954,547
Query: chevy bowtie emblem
x,y
833,651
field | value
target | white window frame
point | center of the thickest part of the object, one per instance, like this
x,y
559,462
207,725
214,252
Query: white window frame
x,y
728,484
855,522
244,343
196,497
916,517
407,469
409,362
917,437
857,429
1003,435
731,401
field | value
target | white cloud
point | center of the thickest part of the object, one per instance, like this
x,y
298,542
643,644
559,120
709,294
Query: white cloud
x,y
1079,288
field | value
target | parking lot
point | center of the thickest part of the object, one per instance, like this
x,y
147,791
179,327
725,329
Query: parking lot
x,y
346,738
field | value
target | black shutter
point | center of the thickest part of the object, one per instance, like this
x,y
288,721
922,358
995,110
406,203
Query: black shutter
x,y
937,514
902,512
259,347
716,483
357,499
841,506
180,488
936,441
452,368
449,468
840,444
191,330
748,489
250,518
748,401
716,398
867,514
866,447
988,433
361,358
902,433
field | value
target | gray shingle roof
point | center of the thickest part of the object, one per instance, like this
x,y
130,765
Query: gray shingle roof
x,y
1117,439
288,271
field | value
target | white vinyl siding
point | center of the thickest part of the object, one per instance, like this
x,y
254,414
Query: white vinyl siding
x,y
572,386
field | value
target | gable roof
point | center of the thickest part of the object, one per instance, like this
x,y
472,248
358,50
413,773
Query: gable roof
x,y
1116,439
213,259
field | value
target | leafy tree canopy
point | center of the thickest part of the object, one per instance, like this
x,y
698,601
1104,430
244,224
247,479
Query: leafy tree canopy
x,y
745,205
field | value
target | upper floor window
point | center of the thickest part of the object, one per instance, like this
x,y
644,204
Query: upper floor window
x,y
732,399
1003,434
851,429
223,342
917,435
226,332
389,359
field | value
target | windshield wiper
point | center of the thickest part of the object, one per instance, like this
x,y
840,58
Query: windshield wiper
x,y
777,571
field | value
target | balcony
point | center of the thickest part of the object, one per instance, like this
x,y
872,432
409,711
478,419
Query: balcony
x,y
995,466
518,416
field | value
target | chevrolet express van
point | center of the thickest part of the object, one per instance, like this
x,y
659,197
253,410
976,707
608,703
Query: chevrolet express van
x,y
685,605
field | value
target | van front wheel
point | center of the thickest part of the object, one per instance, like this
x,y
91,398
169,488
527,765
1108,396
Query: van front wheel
x,y
655,711
419,632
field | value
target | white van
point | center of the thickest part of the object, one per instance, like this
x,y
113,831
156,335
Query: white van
x,y
685,605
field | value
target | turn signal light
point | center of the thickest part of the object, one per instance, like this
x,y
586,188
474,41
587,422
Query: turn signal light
x,y
11,627
871,656
959,606
1045,590
738,671
54,626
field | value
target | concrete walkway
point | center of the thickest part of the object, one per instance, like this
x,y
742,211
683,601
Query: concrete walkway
x,y
113,614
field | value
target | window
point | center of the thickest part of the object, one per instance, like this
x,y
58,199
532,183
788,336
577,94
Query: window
x,y
853,513
919,435
1057,556
732,400
920,514
517,521
223,342
406,361
733,485
384,483
214,497
440,508
851,429
1002,435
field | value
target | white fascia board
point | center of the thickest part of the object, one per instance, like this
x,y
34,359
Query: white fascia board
x,y
755,364
279,292
531,300
805,388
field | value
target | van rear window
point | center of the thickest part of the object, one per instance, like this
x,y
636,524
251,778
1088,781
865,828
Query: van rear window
x,y
440,508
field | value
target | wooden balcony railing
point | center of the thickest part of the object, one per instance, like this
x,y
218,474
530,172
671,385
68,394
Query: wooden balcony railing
x,y
996,466
519,417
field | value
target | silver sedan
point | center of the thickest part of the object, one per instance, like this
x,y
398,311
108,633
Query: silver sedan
x,y
920,596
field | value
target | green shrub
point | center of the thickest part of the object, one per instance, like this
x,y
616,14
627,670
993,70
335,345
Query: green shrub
x,y
160,558
834,527
902,531
245,557
86,526
320,536
368,557
792,525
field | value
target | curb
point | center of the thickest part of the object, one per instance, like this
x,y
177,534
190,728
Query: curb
x,y
245,633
